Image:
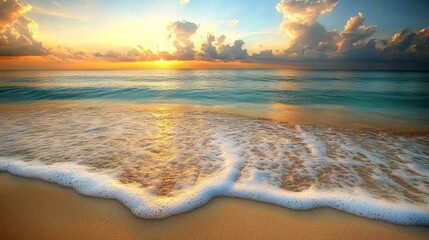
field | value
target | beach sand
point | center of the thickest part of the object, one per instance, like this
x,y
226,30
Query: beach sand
x,y
32,209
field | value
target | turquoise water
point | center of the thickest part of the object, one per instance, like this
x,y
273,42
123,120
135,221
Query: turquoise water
x,y
164,142
403,94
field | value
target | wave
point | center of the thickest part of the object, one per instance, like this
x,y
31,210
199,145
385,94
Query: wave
x,y
162,163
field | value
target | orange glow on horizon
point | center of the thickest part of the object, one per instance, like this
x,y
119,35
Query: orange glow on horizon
x,y
48,63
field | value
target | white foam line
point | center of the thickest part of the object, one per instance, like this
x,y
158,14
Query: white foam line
x,y
140,203
405,214
76,177
146,206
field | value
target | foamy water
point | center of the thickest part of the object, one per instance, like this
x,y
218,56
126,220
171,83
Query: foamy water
x,y
161,162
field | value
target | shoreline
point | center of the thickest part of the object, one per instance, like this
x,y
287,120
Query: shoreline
x,y
334,116
31,208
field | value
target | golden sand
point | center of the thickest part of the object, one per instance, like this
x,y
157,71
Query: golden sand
x,y
32,209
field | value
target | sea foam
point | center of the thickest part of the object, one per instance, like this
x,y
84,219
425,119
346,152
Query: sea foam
x,y
162,163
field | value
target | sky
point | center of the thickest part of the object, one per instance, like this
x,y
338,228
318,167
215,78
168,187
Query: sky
x,y
79,34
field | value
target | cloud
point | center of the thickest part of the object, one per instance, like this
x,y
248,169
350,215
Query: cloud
x,y
131,55
232,23
355,34
184,2
17,31
208,50
311,42
56,13
57,4
215,49
234,52
10,10
69,53
114,56
356,42
406,46
309,39
304,11
266,56
180,33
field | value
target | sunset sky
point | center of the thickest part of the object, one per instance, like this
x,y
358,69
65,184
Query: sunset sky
x,y
61,34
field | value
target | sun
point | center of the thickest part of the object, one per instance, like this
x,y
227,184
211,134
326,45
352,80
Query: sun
x,y
161,63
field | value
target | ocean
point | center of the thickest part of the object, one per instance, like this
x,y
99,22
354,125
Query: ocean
x,y
166,141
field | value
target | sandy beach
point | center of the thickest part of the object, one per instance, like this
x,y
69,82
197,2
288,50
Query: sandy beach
x,y
184,119
32,209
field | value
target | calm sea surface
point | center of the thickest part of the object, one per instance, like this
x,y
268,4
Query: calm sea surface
x,y
402,94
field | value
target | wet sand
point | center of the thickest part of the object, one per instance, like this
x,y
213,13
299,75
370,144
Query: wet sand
x,y
336,117
32,209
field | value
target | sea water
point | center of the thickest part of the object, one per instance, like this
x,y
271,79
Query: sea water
x,y
164,142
